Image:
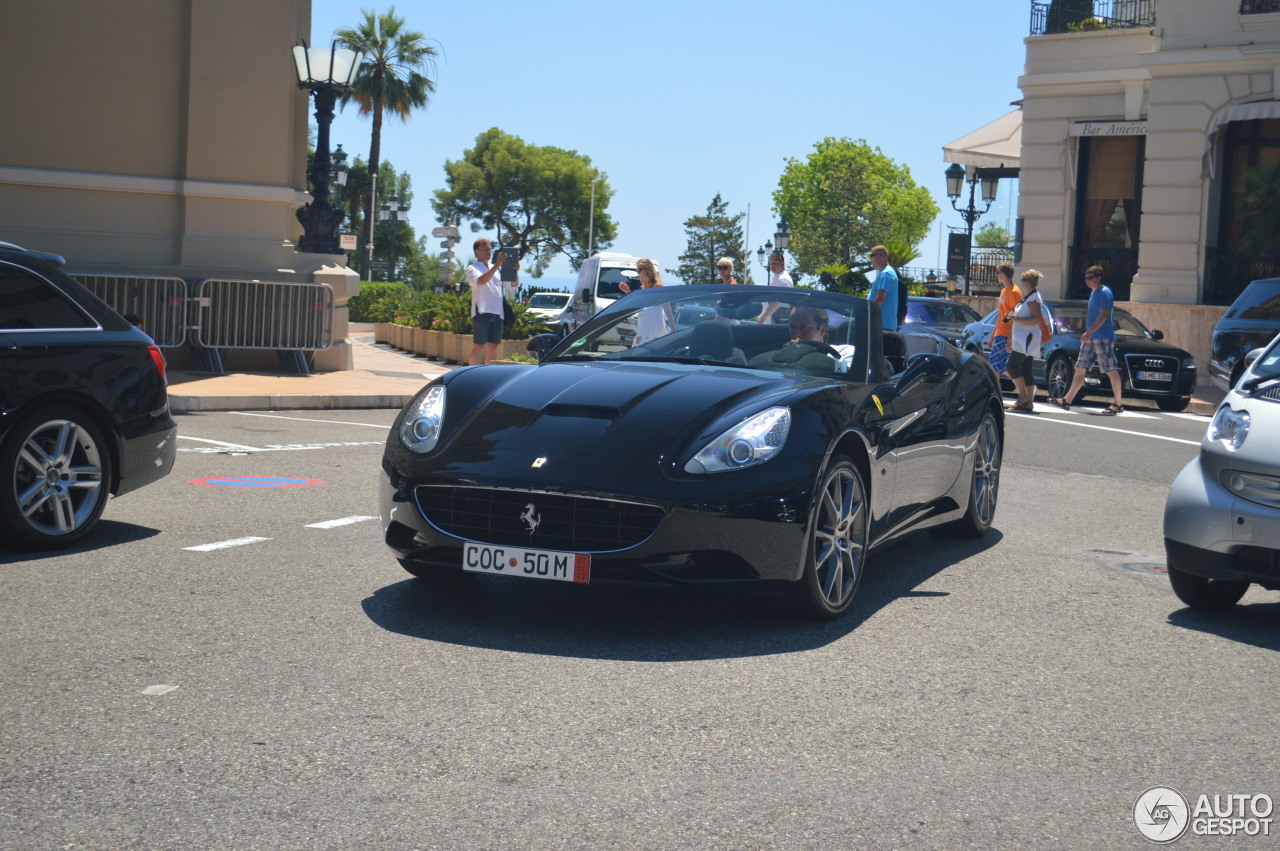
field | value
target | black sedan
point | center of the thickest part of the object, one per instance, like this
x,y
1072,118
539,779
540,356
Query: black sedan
x,y
727,452
83,407
1149,368
939,316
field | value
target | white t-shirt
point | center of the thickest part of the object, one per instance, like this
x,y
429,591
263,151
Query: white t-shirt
x,y
486,298
1024,335
782,279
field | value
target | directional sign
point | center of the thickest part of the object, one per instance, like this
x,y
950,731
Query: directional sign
x,y
446,265
448,243
448,255
447,230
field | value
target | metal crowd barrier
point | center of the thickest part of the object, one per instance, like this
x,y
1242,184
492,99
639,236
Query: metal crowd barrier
x,y
161,303
264,315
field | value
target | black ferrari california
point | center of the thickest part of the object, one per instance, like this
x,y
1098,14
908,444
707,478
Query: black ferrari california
x,y
639,450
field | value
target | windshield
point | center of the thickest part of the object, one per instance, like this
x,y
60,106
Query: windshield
x,y
551,300
1267,366
941,313
1070,319
611,276
825,333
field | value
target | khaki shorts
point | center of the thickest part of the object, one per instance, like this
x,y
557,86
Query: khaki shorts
x,y
1099,353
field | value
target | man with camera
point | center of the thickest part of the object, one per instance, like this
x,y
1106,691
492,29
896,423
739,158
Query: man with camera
x,y
486,300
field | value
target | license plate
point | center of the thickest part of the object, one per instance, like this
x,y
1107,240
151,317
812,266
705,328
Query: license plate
x,y
531,564
1155,376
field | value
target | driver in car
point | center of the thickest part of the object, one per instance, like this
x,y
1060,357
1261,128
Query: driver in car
x,y
808,327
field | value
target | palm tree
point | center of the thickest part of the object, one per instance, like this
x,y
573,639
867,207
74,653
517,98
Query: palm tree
x,y
392,78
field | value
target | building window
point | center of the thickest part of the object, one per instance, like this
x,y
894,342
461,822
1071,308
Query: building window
x,y
1246,145
1109,197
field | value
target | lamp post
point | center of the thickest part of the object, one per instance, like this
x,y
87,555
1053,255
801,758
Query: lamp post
x,y
340,171
763,253
781,240
326,73
956,178
393,213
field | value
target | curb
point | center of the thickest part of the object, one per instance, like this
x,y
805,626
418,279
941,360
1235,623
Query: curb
x,y
179,404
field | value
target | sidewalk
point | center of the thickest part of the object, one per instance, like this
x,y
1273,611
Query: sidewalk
x,y
383,377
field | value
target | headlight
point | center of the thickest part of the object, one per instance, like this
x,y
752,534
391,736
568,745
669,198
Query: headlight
x,y
752,441
1229,426
421,427
1188,363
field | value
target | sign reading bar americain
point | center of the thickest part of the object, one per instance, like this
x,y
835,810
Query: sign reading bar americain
x,y
1109,128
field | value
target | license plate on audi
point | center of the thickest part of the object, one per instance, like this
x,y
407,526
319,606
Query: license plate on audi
x,y
531,564
1155,376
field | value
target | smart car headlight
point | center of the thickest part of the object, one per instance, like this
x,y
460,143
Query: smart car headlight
x,y
1230,426
752,441
422,422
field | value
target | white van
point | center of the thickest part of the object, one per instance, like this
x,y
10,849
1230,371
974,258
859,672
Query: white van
x,y
597,286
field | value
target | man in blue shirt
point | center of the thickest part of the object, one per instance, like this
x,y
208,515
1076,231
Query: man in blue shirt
x,y
1097,344
884,291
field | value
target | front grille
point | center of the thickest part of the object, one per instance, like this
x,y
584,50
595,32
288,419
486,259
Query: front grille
x,y
1152,363
570,523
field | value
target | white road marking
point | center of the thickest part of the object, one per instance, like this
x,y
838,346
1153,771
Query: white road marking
x,y
156,691
341,521
222,545
307,419
1105,428
1045,408
288,447
222,443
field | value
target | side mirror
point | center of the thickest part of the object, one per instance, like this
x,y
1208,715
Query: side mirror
x,y
926,367
540,344
1157,335
586,294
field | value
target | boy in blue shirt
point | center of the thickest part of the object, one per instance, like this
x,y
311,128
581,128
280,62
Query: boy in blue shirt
x,y
1097,344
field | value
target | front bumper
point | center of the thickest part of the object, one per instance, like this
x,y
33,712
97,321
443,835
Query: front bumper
x,y
721,535
1213,533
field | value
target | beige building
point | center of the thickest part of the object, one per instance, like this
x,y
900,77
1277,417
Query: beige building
x,y
1137,129
161,137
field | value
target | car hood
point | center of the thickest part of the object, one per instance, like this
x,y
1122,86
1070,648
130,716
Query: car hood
x,y
601,410
1143,346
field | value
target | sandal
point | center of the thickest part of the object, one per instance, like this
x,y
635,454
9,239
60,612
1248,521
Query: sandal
x,y
1112,410
1059,402
1021,408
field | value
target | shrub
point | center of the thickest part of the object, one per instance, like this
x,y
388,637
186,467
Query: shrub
x,y
361,306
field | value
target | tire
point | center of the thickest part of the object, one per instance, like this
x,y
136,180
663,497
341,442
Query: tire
x,y
55,477
1206,595
984,486
1057,377
1172,403
836,545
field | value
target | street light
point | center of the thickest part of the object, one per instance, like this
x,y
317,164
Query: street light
x,y
326,73
956,178
394,213
340,166
781,239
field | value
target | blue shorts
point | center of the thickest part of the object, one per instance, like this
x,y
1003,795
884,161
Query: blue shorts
x,y
999,357
1099,353
486,328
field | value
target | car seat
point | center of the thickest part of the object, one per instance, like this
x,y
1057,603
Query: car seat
x,y
895,352
714,341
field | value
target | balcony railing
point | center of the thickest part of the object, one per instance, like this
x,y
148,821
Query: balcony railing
x,y
1119,265
1259,7
1061,16
1226,273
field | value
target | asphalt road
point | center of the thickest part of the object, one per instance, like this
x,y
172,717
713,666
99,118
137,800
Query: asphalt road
x,y
164,689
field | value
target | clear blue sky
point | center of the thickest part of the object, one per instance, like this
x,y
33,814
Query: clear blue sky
x,y
678,101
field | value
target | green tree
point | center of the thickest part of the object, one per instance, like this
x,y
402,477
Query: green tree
x,y
1065,13
992,235
710,236
1261,209
536,198
392,77
845,198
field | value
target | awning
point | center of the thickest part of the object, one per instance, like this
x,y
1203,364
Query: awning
x,y
994,145
1234,112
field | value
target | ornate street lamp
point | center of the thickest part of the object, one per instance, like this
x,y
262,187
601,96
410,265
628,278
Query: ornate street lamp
x,y
326,72
340,166
956,178
394,214
762,254
781,239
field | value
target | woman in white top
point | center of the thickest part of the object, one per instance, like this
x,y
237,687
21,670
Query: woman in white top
x,y
1024,340
653,322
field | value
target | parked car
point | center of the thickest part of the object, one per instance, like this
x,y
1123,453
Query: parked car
x,y
1248,325
83,407
720,453
1222,516
943,317
552,309
1149,368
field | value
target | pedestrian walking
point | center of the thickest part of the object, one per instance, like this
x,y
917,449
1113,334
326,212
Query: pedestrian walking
x,y
1024,339
778,267
884,292
653,322
486,302
1010,295
1097,345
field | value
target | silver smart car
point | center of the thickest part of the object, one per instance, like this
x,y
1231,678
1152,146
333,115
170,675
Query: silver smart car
x,y
1222,517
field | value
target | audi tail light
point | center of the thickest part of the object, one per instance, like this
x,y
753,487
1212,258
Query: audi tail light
x,y
157,357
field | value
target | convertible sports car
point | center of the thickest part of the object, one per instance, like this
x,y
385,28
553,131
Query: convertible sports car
x,y
776,456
